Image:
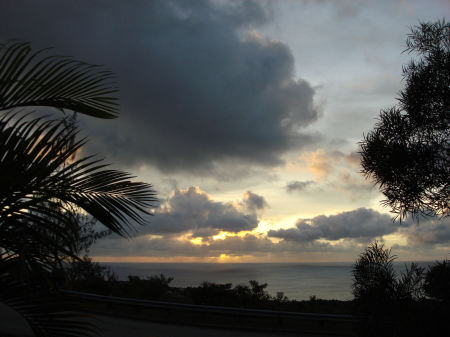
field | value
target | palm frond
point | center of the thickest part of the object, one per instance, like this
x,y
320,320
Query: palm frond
x,y
32,154
30,78
41,182
38,186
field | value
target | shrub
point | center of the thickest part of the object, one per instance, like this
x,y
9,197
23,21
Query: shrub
x,y
437,281
374,278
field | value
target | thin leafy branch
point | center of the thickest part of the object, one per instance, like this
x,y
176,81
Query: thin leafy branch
x,y
407,154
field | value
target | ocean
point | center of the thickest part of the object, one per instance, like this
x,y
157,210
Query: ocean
x,y
296,280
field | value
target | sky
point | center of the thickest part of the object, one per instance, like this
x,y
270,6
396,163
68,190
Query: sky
x,y
245,116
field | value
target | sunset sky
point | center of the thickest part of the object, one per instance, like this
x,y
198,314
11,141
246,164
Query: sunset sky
x,y
245,116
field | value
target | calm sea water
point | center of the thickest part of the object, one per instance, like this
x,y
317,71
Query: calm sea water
x,y
295,280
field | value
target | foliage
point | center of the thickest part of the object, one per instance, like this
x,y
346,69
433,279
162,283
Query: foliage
x,y
437,281
34,152
374,278
410,284
153,287
30,78
375,281
258,290
89,276
210,293
408,152
44,310
253,295
396,304
40,206
157,287
46,191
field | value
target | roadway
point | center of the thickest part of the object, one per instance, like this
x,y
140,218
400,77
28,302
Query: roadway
x,y
13,325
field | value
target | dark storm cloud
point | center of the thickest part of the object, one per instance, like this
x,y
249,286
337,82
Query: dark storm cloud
x,y
298,185
193,210
196,87
362,223
254,202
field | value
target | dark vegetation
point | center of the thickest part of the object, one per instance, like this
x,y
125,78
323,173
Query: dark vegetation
x,y
408,152
50,198
414,303
407,155
88,276
392,303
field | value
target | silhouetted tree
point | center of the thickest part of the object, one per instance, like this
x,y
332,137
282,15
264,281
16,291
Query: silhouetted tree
x,y
395,305
154,287
85,275
258,291
408,152
374,278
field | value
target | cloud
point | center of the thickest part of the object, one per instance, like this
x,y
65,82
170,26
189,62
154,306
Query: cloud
x,y
320,163
254,202
428,232
193,210
308,240
340,171
361,224
353,158
256,248
298,185
196,88
166,247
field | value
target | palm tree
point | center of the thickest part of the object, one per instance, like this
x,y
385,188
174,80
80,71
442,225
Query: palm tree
x,y
42,183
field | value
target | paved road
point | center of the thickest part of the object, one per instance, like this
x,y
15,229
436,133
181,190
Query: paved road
x,y
113,327
11,324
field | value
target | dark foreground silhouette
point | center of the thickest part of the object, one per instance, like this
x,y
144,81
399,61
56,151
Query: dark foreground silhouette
x,y
413,303
94,278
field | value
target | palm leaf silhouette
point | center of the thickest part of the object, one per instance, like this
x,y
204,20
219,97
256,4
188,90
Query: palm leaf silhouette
x,y
34,152
30,78
42,182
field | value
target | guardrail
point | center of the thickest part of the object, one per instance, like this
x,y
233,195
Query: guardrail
x,y
217,316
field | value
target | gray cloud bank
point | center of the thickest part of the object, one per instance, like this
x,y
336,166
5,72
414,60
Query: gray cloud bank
x,y
193,210
362,223
193,214
429,232
197,87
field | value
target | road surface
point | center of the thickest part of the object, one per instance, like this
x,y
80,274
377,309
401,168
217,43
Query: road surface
x,y
12,324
